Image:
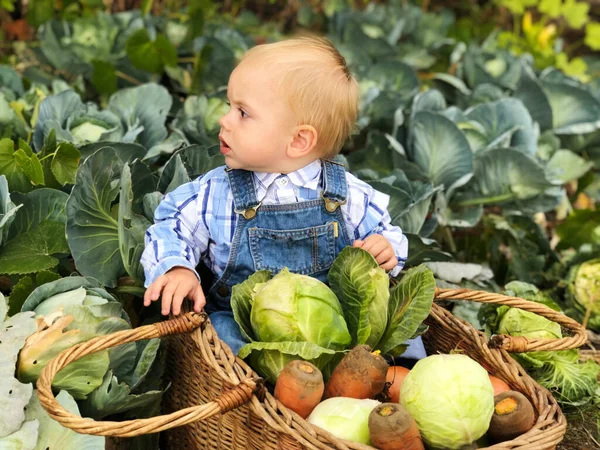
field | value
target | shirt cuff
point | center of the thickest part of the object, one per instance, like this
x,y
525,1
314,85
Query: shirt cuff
x,y
167,264
395,271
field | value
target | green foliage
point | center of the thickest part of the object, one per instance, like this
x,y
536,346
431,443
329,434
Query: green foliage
x,y
473,141
542,37
151,55
34,250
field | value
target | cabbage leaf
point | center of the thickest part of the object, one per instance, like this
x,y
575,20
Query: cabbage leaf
x,y
14,395
410,304
362,288
52,435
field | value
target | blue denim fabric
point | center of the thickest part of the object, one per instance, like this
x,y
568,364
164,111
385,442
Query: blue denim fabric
x,y
415,350
300,236
228,330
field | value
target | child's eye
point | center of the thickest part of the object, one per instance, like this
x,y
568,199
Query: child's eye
x,y
243,113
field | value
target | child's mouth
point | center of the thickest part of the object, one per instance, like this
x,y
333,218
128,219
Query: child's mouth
x,y
224,147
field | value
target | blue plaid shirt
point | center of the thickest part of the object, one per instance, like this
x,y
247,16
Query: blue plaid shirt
x,y
197,220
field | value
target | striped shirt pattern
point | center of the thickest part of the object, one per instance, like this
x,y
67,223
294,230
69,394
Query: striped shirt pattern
x,y
197,220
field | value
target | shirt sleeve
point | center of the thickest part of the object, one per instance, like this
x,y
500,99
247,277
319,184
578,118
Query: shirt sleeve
x,y
180,234
366,214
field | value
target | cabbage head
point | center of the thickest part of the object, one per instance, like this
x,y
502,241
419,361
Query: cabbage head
x,y
298,308
584,287
517,322
451,398
288,317
345,418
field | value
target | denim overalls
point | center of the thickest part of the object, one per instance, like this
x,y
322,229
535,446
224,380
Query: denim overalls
x,y
305,237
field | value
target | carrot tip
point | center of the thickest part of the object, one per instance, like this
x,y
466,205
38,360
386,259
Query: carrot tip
x,y
306,368
386,411
506,406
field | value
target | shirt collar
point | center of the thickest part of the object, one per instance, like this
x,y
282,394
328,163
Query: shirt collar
x,y
307,177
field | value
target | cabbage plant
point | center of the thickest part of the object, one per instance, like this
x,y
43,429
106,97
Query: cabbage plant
x,y
286,317
584,289
293,316
133,115
73,310
74,122
24,424
571,381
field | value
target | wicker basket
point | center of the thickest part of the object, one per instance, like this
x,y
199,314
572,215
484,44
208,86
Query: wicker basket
x,y
218,403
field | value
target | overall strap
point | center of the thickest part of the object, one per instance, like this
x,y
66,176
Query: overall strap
x,y
244,194
334,185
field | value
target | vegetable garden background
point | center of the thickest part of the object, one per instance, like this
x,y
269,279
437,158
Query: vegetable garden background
x,y
480,119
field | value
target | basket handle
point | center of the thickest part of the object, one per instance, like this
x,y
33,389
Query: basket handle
x,y
521,344
235,397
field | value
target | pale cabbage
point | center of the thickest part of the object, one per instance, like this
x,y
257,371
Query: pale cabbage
x,y
451,398
345,418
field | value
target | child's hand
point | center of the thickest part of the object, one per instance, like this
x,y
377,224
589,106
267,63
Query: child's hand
x,y
175,285
380,248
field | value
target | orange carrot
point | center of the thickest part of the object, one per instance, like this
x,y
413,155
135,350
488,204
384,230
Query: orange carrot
x,y
360,374
395,377
300,387
392,428
499,385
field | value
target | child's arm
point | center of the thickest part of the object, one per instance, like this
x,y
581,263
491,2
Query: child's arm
x,y
367,212
174,245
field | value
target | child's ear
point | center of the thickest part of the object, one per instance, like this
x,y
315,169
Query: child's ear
x,y
304,141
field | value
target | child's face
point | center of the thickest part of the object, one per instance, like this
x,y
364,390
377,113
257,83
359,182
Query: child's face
x,y
260,124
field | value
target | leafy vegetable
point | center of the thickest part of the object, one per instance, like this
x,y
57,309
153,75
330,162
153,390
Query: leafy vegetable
x,y
584,288
305,321
571,381
362,288
345,418
13,394
451,398
298,308
410,304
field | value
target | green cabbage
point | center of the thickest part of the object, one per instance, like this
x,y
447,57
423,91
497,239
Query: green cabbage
x,y
288,317
517,322
363,290
298,308
584,287
88,132
451,398
570,381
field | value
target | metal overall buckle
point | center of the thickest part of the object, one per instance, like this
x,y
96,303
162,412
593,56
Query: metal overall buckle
x,y
330,204
249,213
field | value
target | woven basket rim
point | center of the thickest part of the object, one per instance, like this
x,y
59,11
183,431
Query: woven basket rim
x,y
238,384
549,429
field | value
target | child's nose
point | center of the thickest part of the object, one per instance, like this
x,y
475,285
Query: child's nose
x,y
223,121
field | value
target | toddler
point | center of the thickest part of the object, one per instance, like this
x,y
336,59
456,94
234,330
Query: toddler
x,y
280,201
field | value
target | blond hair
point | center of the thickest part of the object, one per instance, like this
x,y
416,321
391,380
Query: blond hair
x,y
318,85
